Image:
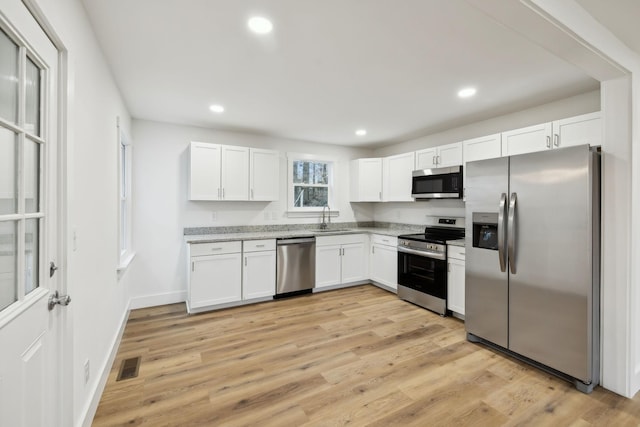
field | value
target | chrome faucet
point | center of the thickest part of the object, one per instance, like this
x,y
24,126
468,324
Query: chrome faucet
x,y
324,223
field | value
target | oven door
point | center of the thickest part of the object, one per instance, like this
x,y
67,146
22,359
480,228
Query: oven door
x,y
422,273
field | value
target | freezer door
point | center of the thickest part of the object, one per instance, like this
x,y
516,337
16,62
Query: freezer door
x,y
486,290
550,292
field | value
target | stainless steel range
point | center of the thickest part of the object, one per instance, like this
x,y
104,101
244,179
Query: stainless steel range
x,y
422,263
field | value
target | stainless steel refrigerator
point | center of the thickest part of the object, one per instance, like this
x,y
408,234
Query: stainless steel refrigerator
x,y
533,259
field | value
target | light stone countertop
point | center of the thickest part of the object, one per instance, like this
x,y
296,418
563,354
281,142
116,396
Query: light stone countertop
x,y
259,235
459,242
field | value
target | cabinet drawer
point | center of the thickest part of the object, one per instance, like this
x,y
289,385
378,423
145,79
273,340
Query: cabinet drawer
x,y
343,239
259,245
456,252
381,239
199,249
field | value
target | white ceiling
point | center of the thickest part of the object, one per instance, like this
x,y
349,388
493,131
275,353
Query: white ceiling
x,y
329,67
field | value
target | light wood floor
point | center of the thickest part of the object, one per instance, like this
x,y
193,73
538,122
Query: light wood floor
x,y
356,356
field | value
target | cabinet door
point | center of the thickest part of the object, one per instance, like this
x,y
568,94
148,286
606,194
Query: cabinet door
x,y
215,279
486,147
259,274
264,169
354,262
450,155
397,177
526,140
366,180
455,286
204,171
235,173
328,263
579,130
426,159
384,265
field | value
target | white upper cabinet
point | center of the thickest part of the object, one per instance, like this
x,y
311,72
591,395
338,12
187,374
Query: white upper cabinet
x,y
204,181
526,140
264,175
486,147
443,156
426,159
579,130
450,155
583,129
235,173
366,180
227,172
397,176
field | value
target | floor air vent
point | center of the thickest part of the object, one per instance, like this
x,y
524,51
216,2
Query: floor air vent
x,y
129,368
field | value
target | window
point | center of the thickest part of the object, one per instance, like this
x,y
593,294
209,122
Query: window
x,y
23,139
125,252
310,183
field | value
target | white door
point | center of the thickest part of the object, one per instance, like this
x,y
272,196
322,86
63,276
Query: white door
x,y
526,140
204,171
31,384
264,171
328,266
426,159
235,173
450,155
259,275
354,262
397,176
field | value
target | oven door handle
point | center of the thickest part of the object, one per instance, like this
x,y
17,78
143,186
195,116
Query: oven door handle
x,y
502,218
434,255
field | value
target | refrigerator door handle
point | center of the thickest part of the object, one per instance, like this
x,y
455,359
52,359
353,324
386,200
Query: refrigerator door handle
x,y
512,232
502,254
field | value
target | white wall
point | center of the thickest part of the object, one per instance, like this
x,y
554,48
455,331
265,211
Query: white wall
x,y
162,211
99,300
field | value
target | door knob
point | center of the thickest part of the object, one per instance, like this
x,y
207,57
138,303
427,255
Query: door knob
x,y
58,299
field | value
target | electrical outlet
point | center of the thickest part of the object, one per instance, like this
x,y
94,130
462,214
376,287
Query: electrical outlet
x,y
214,216
74,240
87,371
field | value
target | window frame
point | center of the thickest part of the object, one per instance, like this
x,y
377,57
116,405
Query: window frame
x,y
331,167
125,161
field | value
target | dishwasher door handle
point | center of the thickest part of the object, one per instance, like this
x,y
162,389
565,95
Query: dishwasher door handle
x,y
295,241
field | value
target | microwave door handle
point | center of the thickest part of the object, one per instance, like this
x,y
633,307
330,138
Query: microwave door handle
x,y
501,232
512,232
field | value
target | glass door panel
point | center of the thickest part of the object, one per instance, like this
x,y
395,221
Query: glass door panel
x,y
8,172
8,79
32,98
31,254
31,176
8,263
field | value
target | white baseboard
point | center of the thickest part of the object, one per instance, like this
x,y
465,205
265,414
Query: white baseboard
x,y
385,287
157,299
91,406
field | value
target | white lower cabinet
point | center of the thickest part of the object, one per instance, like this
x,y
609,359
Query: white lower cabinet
x,y
384,260
215,274
258,269
341,259
455,279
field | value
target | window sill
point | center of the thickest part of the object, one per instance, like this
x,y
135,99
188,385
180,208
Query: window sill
x,y
125,261
311,214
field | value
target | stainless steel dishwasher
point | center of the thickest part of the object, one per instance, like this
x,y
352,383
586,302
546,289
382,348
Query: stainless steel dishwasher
x,y
295,266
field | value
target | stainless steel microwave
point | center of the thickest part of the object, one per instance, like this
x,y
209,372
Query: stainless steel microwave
x,y
440,183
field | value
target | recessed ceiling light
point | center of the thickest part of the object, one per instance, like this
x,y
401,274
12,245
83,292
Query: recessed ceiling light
x,y
467,92
361,132
217,108
260,25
